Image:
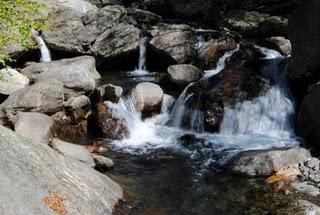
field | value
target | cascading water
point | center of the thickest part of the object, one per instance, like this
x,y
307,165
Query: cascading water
x,y
269,114
45,52
253,125
220,65
141,70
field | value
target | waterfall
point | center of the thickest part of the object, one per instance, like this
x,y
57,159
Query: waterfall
x,y
270,113
221,64
183,116
45,52
141,70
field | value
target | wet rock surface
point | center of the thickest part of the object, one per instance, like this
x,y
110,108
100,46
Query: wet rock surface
x,y
183,74
147,97
265,163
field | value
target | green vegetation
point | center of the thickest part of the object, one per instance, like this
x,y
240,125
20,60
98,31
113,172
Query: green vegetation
x,y
16,17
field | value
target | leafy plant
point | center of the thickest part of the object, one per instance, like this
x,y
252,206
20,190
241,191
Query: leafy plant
x,y
16,19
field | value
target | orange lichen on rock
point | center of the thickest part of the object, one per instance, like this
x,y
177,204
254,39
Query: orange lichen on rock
x,y
55,203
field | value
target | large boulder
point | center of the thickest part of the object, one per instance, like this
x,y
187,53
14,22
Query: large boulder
x,y
147,97
11,80
45,96
36,172
110,92
35,126
74,151
281,44
97,21
119,40
265,163
183,74
75,32
75,73
253,24
210,52
176,40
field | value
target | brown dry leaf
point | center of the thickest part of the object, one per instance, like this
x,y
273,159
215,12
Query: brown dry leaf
x,y
55,203
287,174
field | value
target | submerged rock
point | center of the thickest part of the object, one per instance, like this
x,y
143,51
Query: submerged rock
x,y
74,151
183,74
35,171
265,163
34,126
11,80
306,188
210,52
46,96
176,40
307,208
147,97
75,73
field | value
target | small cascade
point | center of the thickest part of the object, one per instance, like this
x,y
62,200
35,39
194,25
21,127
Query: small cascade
x,y
141,70
221,64
45,52
270,113
183,116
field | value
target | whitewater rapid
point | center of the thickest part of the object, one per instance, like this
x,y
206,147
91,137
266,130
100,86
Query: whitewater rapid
x,y
262,123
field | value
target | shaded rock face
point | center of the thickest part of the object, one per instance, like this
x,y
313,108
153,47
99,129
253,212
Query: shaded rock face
x,y
210,52
176,40
183,74
36,170
265,163
76,73
110,126
145,19
308,120
253,24
34,126
237,82
45,96
11,81
304,28
147,97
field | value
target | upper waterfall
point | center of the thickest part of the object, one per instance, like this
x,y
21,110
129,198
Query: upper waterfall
x,y
45,52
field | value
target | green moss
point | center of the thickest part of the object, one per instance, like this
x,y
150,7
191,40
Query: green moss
x,y
16,17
